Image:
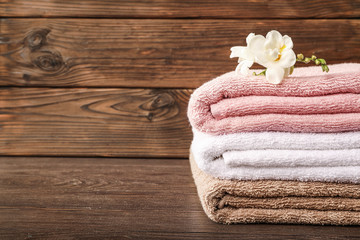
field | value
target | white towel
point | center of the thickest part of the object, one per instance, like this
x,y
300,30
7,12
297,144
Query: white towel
x,y
330,157
293,158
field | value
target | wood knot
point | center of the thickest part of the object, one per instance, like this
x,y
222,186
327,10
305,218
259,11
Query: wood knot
x,y
37,38
162,100
159,106
47,60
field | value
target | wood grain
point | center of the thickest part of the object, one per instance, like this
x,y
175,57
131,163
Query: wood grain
x,y
99,198
73,85
183,9
94,122
150,52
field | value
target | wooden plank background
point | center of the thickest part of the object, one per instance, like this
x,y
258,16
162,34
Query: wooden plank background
x,y
156,53
120,122
106,79
178,54
183,8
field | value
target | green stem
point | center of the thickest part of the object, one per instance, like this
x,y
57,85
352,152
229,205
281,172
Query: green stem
x,y
263,73
317,61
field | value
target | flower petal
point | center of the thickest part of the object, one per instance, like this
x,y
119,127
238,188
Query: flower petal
x,y
256,46
288,59
243,67
241,53
274,40
249,37
236,51
288,42
275,75
256,43
272,53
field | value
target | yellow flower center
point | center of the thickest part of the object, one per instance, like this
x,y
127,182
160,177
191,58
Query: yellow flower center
x,y
281,49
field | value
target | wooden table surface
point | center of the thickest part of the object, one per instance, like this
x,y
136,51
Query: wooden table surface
x,y
94,136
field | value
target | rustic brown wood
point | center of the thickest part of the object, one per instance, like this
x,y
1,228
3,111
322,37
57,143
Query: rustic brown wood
x,y
94,122
150,53
181,8
99,198
142,197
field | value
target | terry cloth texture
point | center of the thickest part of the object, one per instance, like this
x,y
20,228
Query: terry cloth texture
x,y
328,157
267,201
308,101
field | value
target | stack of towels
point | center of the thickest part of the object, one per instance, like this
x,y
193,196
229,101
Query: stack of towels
x,y
287,153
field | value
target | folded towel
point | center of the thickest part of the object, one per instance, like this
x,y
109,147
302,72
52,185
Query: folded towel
x,y
267,201
293,158
308,101
254,105
328,157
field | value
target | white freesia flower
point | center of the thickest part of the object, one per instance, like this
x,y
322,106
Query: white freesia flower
x,y
273,52
246,57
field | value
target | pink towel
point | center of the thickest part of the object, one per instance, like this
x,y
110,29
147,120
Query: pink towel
x,y
308,101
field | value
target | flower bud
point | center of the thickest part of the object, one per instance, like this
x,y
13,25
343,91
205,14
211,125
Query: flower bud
x,y
326,68
300,56
323,68
322,61
317,62
313,57
307,60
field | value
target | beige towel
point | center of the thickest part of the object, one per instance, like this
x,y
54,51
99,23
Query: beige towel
x,y
266,201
